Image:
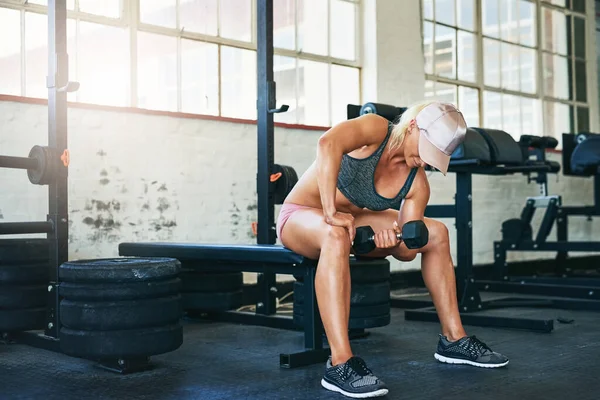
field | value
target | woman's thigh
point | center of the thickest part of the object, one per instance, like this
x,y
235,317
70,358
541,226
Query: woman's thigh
x,y
304,232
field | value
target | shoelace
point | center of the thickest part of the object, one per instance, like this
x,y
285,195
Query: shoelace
x,y
479,345
358,365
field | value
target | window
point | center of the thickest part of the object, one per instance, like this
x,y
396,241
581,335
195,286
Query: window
x,y
504,78
193,56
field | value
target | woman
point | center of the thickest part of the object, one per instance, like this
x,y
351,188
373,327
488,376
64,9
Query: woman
x,y
365,170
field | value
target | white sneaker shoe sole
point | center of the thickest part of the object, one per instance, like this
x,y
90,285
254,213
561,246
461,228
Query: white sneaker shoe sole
x,y
447,360
333,388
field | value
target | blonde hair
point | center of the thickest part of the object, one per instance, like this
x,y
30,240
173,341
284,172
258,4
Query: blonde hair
x,y
400,128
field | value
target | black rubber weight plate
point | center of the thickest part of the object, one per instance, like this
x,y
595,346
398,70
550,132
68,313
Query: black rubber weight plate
x,y
212,301
365,270
22,251
211,282
355,311
119,291
25,273
22,320
117,315
121,344
119,270
12,297
360,295
356,323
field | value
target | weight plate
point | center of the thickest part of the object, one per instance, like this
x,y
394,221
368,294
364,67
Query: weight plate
x,y
212,301
117,315
356,323
23,296
211,282
365,270
119,291
363,294
126,269
25,273
22,320
40,174
355,311
122,343
24,251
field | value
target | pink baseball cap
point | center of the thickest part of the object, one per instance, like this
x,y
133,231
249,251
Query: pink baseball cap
x,y
442,128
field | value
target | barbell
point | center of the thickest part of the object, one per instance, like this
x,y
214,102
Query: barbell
x,y
41,164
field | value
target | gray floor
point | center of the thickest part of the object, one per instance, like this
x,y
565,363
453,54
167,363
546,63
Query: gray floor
x,y
226,361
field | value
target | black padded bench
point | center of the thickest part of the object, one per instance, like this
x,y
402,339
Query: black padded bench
x,y
252,258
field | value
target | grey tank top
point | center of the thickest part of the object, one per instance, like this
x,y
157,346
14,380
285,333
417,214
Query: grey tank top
x,y
356,181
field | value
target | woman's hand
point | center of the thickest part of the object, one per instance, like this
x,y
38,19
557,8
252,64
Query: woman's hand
x,y
344,220
388,238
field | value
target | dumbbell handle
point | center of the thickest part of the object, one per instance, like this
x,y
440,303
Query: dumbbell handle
x,y
398,236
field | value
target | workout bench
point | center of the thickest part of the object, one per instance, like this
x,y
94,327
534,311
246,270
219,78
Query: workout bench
x,y
264,259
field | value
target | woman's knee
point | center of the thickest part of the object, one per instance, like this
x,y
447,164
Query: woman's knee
x,y
438,233
337,237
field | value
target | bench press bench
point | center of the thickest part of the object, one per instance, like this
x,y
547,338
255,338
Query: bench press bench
x,y
252,258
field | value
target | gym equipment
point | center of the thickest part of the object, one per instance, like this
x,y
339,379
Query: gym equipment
x,y
120,311
389,112
580,158
211,291
42,164
414,235
283,178
369,298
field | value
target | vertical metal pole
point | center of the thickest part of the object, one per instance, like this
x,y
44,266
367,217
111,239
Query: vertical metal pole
x,y
265,124
464,229
57,81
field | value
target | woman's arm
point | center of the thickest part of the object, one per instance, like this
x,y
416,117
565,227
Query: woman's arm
x,y
343,138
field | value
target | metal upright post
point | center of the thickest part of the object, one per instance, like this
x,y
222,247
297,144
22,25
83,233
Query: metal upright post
x,y
58,87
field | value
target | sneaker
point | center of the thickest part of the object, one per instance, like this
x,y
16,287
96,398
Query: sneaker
x,y
353,379
468,350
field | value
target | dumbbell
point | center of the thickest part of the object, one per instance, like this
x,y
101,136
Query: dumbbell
x,y
414,235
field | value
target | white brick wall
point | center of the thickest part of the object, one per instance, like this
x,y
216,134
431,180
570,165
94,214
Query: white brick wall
x,y
141,177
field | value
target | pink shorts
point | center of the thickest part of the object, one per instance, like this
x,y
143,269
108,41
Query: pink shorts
x,y
285,213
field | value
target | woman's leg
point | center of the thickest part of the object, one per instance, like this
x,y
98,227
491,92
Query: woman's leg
x,y
306,233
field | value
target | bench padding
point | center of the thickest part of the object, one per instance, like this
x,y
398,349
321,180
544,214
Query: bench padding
x,y
272,254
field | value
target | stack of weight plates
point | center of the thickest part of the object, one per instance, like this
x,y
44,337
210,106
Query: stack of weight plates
x,y
24,277
369,298
120,307
210,291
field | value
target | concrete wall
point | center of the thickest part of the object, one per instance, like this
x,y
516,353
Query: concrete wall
x,y
136,176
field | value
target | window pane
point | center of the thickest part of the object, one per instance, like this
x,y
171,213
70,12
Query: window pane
x,y
560,3
36,55
313,101
492,110
468,103
158,12
446,93
445,51
554,31
579,37
510,66
528,70
490,18
108,8
580,81
583,119
235,19
558,119
465,9
344,90
103,64
511,115
284,71
491,62
199,77
444,11
509,20
531,113
157,71
10,52
466,56
527,23
556,76
428,46
578,5
284,24
198,16
429,89
342,30
70,3
312,26
428,9
238,83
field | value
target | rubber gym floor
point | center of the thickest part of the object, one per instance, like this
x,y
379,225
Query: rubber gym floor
x,y
228,361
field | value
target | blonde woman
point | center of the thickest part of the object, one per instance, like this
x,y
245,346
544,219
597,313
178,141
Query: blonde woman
x,y
365,170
